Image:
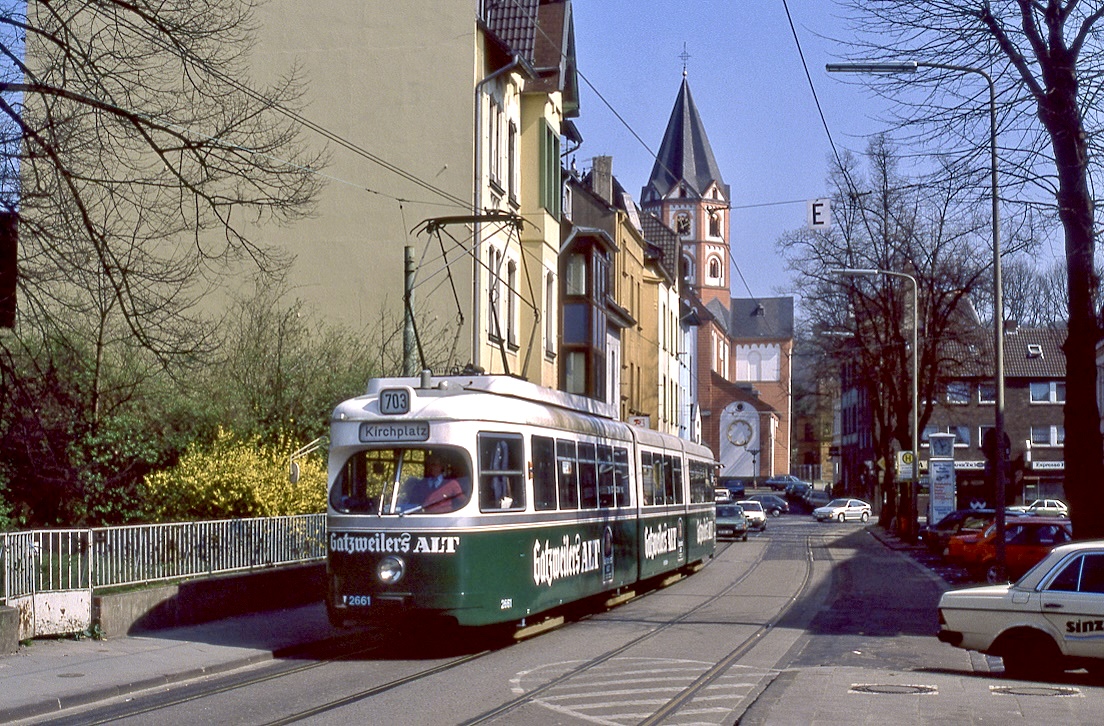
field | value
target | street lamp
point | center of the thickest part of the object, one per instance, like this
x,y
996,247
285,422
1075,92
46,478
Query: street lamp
x,y
913,525
998,302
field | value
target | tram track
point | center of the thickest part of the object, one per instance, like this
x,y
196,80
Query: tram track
x,y
375,643
699,684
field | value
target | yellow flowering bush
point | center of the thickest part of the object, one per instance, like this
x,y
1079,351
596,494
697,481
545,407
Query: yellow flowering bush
x,y
237,476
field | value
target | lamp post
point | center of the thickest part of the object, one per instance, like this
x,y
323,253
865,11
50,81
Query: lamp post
x,y
915,418
999,462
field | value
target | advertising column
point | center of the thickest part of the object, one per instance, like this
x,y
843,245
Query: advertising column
x,y
943,499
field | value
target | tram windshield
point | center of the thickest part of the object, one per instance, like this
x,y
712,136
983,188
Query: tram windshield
x,y
431,480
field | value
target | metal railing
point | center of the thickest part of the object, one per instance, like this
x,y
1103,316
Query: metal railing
x,y
67,559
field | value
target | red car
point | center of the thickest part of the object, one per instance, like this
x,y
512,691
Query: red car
x,y
1026,541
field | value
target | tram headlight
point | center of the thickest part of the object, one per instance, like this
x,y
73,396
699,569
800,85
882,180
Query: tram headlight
x,y
390,569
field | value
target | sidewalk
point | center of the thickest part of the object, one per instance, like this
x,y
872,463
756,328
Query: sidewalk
x,y
50,675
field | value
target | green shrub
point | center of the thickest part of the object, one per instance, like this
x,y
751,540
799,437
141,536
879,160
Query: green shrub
x,y
237,476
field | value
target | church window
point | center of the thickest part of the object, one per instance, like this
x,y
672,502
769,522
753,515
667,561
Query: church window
x,y
714,224
714,268
687,268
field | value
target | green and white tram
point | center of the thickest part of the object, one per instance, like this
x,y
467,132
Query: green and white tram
x,y
487,499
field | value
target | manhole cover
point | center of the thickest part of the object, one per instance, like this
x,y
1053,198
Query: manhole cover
x,y
1033,691
893,689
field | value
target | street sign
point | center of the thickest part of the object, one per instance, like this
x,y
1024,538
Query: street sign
x,y
906,465
819,214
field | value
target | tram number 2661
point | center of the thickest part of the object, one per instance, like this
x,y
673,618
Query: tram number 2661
x,y
506,603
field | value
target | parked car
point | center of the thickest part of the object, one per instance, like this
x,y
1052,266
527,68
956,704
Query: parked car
x,y
780,483
1048,621
720,494
816,498
842,510
756,515
959,522
798,490
736,487
731,522
772,503
1044,507
1026,541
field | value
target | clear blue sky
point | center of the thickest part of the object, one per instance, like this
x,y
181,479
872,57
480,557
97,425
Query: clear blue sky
x,y
751,90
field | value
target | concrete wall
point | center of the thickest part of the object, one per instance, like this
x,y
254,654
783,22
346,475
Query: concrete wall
x,y
198,601
9,630
195,601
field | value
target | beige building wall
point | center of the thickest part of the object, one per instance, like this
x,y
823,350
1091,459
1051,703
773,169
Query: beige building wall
x,y
404,85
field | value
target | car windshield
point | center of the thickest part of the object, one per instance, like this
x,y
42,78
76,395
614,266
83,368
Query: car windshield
x,y
838,503
752,506
729,510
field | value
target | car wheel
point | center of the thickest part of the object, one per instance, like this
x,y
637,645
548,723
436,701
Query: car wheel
x,y
840,517
865,516
1030,654
776,512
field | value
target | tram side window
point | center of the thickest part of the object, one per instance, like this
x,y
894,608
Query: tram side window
x,y
501,472
662,479
651,476
700,491
607,487
621,476
588,477
677,481
568,474
544,473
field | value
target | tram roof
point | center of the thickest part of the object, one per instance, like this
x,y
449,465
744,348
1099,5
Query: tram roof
x,y
506,386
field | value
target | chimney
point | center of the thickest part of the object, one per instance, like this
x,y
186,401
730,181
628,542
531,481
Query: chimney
x,y
601,178
1010,326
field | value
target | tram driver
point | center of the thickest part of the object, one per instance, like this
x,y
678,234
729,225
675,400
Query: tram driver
x,y
444,488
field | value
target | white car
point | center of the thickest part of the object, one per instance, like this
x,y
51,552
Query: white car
x,y
843,509
756,515
1044,507
1051,619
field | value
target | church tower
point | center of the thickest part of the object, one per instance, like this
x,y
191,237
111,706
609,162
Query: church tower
x,y
686,191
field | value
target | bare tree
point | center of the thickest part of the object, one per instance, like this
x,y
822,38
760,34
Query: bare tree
x,y
147,162
1046,58
885,221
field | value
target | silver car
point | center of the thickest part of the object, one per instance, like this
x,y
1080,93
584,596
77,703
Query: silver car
x,y
842,510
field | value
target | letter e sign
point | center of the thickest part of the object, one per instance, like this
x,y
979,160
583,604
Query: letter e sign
x,y
820,214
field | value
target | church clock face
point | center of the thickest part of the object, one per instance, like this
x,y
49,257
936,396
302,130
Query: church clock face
x,y
739,433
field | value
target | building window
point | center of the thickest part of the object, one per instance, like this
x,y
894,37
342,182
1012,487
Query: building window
x,y
714,224
550,314
494,329
550,171
714,270
511,162
1048,391
987,392
982,431
1048,435
494,150
575,372
958,392
511,304
575,269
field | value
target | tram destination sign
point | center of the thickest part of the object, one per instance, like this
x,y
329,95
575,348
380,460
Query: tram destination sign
x,y
394,431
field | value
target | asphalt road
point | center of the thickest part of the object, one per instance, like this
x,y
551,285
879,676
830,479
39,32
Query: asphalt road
x,y
804,623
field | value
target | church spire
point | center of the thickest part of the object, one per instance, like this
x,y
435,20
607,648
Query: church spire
x,y
685,155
